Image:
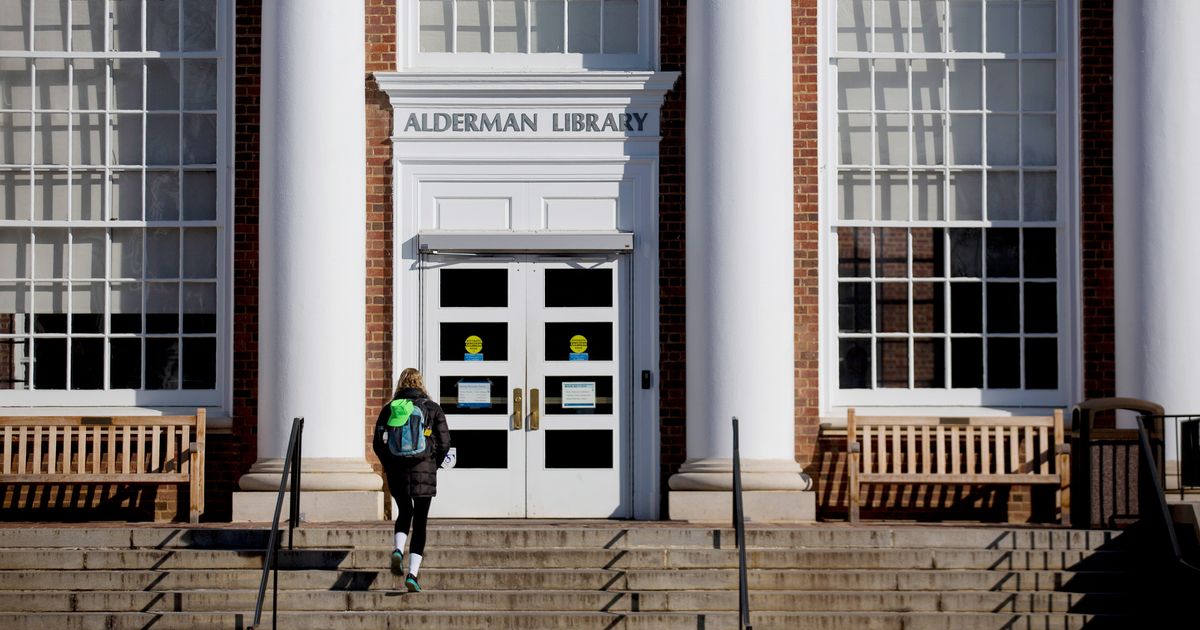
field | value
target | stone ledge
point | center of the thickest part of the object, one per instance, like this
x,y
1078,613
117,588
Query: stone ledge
x,y
315,507
759,506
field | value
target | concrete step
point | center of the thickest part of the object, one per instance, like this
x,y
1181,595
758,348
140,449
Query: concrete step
x,y
576,579
373,559
605,536
566,601
433,620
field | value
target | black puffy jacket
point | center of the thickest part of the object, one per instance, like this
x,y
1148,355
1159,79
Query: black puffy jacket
x,y
413,476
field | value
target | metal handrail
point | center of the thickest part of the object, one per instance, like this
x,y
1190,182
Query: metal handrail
x,y
270,560
1160,496
739,533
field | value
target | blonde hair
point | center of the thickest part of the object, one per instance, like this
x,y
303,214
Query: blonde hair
x,y
410,377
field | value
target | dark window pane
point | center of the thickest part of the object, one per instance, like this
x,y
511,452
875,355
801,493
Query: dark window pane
x,y
130,323
1040,253
928,252
891,252
1002,248
162,363
480,449
854,252
479,395
966,307
14,371
1041,363
50,323
162,323
125,364
579,287
487,341
892,364
1004,363
966,363
474,288
891,307
854,307
854,363
929,306
603,402
50,364
589,448
964,253
89,323
929,362
199,323
199,363
1003,307
562,341
87,364
1041,307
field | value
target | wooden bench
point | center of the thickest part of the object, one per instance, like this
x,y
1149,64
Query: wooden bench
x,y
1013,450
106,450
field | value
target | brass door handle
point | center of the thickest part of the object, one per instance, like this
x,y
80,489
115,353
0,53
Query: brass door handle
x,y
518,408
534,395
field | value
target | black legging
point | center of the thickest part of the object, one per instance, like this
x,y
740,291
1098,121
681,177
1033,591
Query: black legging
x,y
416,510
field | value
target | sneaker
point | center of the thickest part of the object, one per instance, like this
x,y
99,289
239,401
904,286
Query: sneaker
x,y
413,585
398,562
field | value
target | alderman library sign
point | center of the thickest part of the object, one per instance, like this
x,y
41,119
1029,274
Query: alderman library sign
x,y
528,123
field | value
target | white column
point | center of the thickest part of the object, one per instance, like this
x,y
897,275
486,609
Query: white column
x,y
312,249
1156,220
740,307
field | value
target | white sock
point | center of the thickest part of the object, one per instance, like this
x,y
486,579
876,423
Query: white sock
x,y
414,563
400,538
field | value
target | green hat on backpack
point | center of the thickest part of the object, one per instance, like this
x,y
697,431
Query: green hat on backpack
x,y
402,409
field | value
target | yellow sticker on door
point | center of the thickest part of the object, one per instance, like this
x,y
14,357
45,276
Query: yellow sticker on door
x,y
474,344
578,343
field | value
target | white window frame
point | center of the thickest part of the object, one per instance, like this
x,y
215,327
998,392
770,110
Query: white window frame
x,y
221,396
409,55
834,400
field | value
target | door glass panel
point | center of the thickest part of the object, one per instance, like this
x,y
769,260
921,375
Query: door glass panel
x,y
579,341
584,395
474,395
579,449
480,449
578,287
470,341
477,288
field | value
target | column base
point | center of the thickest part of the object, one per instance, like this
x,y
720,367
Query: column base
x,y
332,489
315,507
758,506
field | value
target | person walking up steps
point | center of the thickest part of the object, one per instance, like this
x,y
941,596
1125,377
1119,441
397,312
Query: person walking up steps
x,y
411,439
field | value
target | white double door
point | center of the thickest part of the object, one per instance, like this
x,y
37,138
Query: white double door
x,y
527,355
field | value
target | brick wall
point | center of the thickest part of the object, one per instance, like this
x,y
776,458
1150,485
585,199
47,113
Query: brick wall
x,y
806,215
672,371
381,56
1096,203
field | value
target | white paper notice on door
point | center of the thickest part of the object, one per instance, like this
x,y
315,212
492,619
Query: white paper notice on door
x,y
580,395
474,395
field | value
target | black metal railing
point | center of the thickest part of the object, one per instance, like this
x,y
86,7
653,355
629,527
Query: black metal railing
x,y
271,557
1151,443
739,534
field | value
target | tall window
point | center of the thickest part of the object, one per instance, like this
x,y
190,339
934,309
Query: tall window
x,y
530,33
949,202
111,201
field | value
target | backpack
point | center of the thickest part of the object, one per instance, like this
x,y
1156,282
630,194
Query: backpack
x,y
406,429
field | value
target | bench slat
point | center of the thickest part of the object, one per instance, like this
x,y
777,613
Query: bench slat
x,y
978,421
155,462
149,421
143,478
955,450
52,454
866,449
910,454
965,479
21,450
970,445
6,450
1014,449
941,450
185,463
66,464
926,459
